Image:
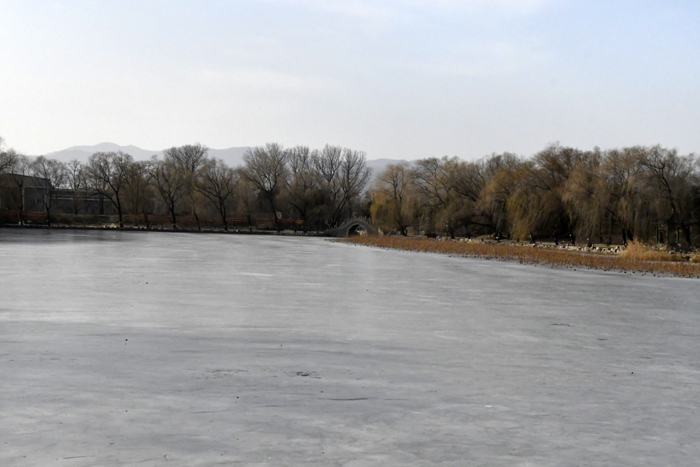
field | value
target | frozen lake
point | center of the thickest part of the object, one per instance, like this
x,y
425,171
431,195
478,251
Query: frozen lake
x,y
184,349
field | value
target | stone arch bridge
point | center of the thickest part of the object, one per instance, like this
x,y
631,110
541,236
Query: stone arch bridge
x,y
351,227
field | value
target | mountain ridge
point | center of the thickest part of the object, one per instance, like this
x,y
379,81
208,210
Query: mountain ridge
x,y
232,156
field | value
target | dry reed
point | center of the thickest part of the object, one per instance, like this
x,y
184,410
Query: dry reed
x,y
640,251
529,254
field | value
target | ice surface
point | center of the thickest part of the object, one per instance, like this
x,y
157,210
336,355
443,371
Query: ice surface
x,y
184,349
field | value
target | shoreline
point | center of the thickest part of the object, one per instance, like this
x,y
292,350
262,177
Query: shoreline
x,y
287,233
603,259
532,254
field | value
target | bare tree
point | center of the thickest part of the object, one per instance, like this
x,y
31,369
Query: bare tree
x,y
247,195
328,163
20,170
354,177
433,181
54,174
169,183
671,175
469,180
304,184
217,182
77,183
107,175
188,160
138,190
266,168
8,157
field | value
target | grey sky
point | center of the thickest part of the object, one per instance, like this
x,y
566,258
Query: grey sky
x,y
399,79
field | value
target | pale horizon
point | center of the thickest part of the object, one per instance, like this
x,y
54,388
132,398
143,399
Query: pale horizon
x,y
396,79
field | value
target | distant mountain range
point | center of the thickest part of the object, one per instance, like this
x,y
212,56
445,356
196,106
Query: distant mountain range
x,y
233,157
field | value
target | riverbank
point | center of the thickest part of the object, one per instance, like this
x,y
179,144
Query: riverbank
x,y
160,229
619,259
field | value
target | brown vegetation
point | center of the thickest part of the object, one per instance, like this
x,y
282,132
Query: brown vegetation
x,y
636,261
562,194
639,251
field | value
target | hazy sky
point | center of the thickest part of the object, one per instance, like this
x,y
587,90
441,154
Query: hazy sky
x,y
396,78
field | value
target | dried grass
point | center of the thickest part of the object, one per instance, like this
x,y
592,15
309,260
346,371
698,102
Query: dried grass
x,y
632,262
642,252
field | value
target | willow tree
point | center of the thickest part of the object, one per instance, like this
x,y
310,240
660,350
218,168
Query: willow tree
x,y
266,168
501,183
187,160
217,183
393,197
625,191
107,174
580,194
169,183
139,191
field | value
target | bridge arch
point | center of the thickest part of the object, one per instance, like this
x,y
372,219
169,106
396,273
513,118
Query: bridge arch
x,y
352,227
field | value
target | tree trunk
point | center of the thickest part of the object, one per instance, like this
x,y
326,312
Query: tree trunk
x,y
21,205
274,213
172,214
222,211
196,217
686,233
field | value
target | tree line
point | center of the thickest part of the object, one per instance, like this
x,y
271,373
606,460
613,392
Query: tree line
x,y
561,193
317,187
